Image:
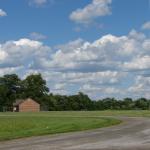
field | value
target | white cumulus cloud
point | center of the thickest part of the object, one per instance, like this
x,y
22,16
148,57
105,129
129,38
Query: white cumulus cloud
x,y
39,3
2,13
109,66
37,36
96,8
146,26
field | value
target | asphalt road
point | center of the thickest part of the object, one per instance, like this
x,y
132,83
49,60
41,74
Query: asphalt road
x,y
133,134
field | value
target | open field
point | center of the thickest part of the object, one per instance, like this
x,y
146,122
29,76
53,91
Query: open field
x,y
127,113
17,125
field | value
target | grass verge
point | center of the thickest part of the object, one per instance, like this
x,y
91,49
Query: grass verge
x,y
19,125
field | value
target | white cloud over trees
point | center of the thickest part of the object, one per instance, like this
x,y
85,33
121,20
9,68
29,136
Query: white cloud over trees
x,y
109,66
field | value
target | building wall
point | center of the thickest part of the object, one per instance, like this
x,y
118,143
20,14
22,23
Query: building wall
x,y
29,106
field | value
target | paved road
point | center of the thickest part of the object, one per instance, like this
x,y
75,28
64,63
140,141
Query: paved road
x,y
133,134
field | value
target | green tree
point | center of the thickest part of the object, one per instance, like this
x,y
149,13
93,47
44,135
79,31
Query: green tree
x,y
35,87
10,89
142,103
127,104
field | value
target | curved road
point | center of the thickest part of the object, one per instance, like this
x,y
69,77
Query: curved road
x,y
133,134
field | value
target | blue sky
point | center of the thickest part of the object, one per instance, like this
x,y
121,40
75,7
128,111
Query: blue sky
x,y
100,47
53,20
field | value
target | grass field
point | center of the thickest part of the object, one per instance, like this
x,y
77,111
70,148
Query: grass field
x,y
128,113
17,125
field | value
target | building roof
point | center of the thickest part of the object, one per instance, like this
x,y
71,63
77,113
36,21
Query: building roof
x,y
20,101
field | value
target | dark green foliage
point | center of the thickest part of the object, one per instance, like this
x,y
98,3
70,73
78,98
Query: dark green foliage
x,y
34,86
10,90
142,103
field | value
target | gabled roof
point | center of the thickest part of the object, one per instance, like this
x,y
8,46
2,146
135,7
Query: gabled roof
x,y
20,101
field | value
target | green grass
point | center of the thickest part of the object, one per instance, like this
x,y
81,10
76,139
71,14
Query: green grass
x,y
129,113
18,125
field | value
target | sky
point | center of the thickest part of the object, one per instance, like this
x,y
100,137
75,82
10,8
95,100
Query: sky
x,y
99,47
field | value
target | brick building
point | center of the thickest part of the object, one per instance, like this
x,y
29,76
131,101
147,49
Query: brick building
x,y
26,105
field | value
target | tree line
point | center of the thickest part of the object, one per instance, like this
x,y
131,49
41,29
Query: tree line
x,y
34,86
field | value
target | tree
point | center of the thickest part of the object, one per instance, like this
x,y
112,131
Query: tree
x,y
142,103
10,89
127,104
3,97
84,101
80,102
35,87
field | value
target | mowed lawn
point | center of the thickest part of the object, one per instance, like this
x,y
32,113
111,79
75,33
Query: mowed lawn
x,y
18,125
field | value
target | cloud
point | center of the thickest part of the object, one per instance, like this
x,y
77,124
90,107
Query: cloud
x,y
9,70
23,52
37,36
146,26
107,63
109,66
2,13
101,78
94,89
107,53
103,91
39,3
86,15
138,63
141,87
